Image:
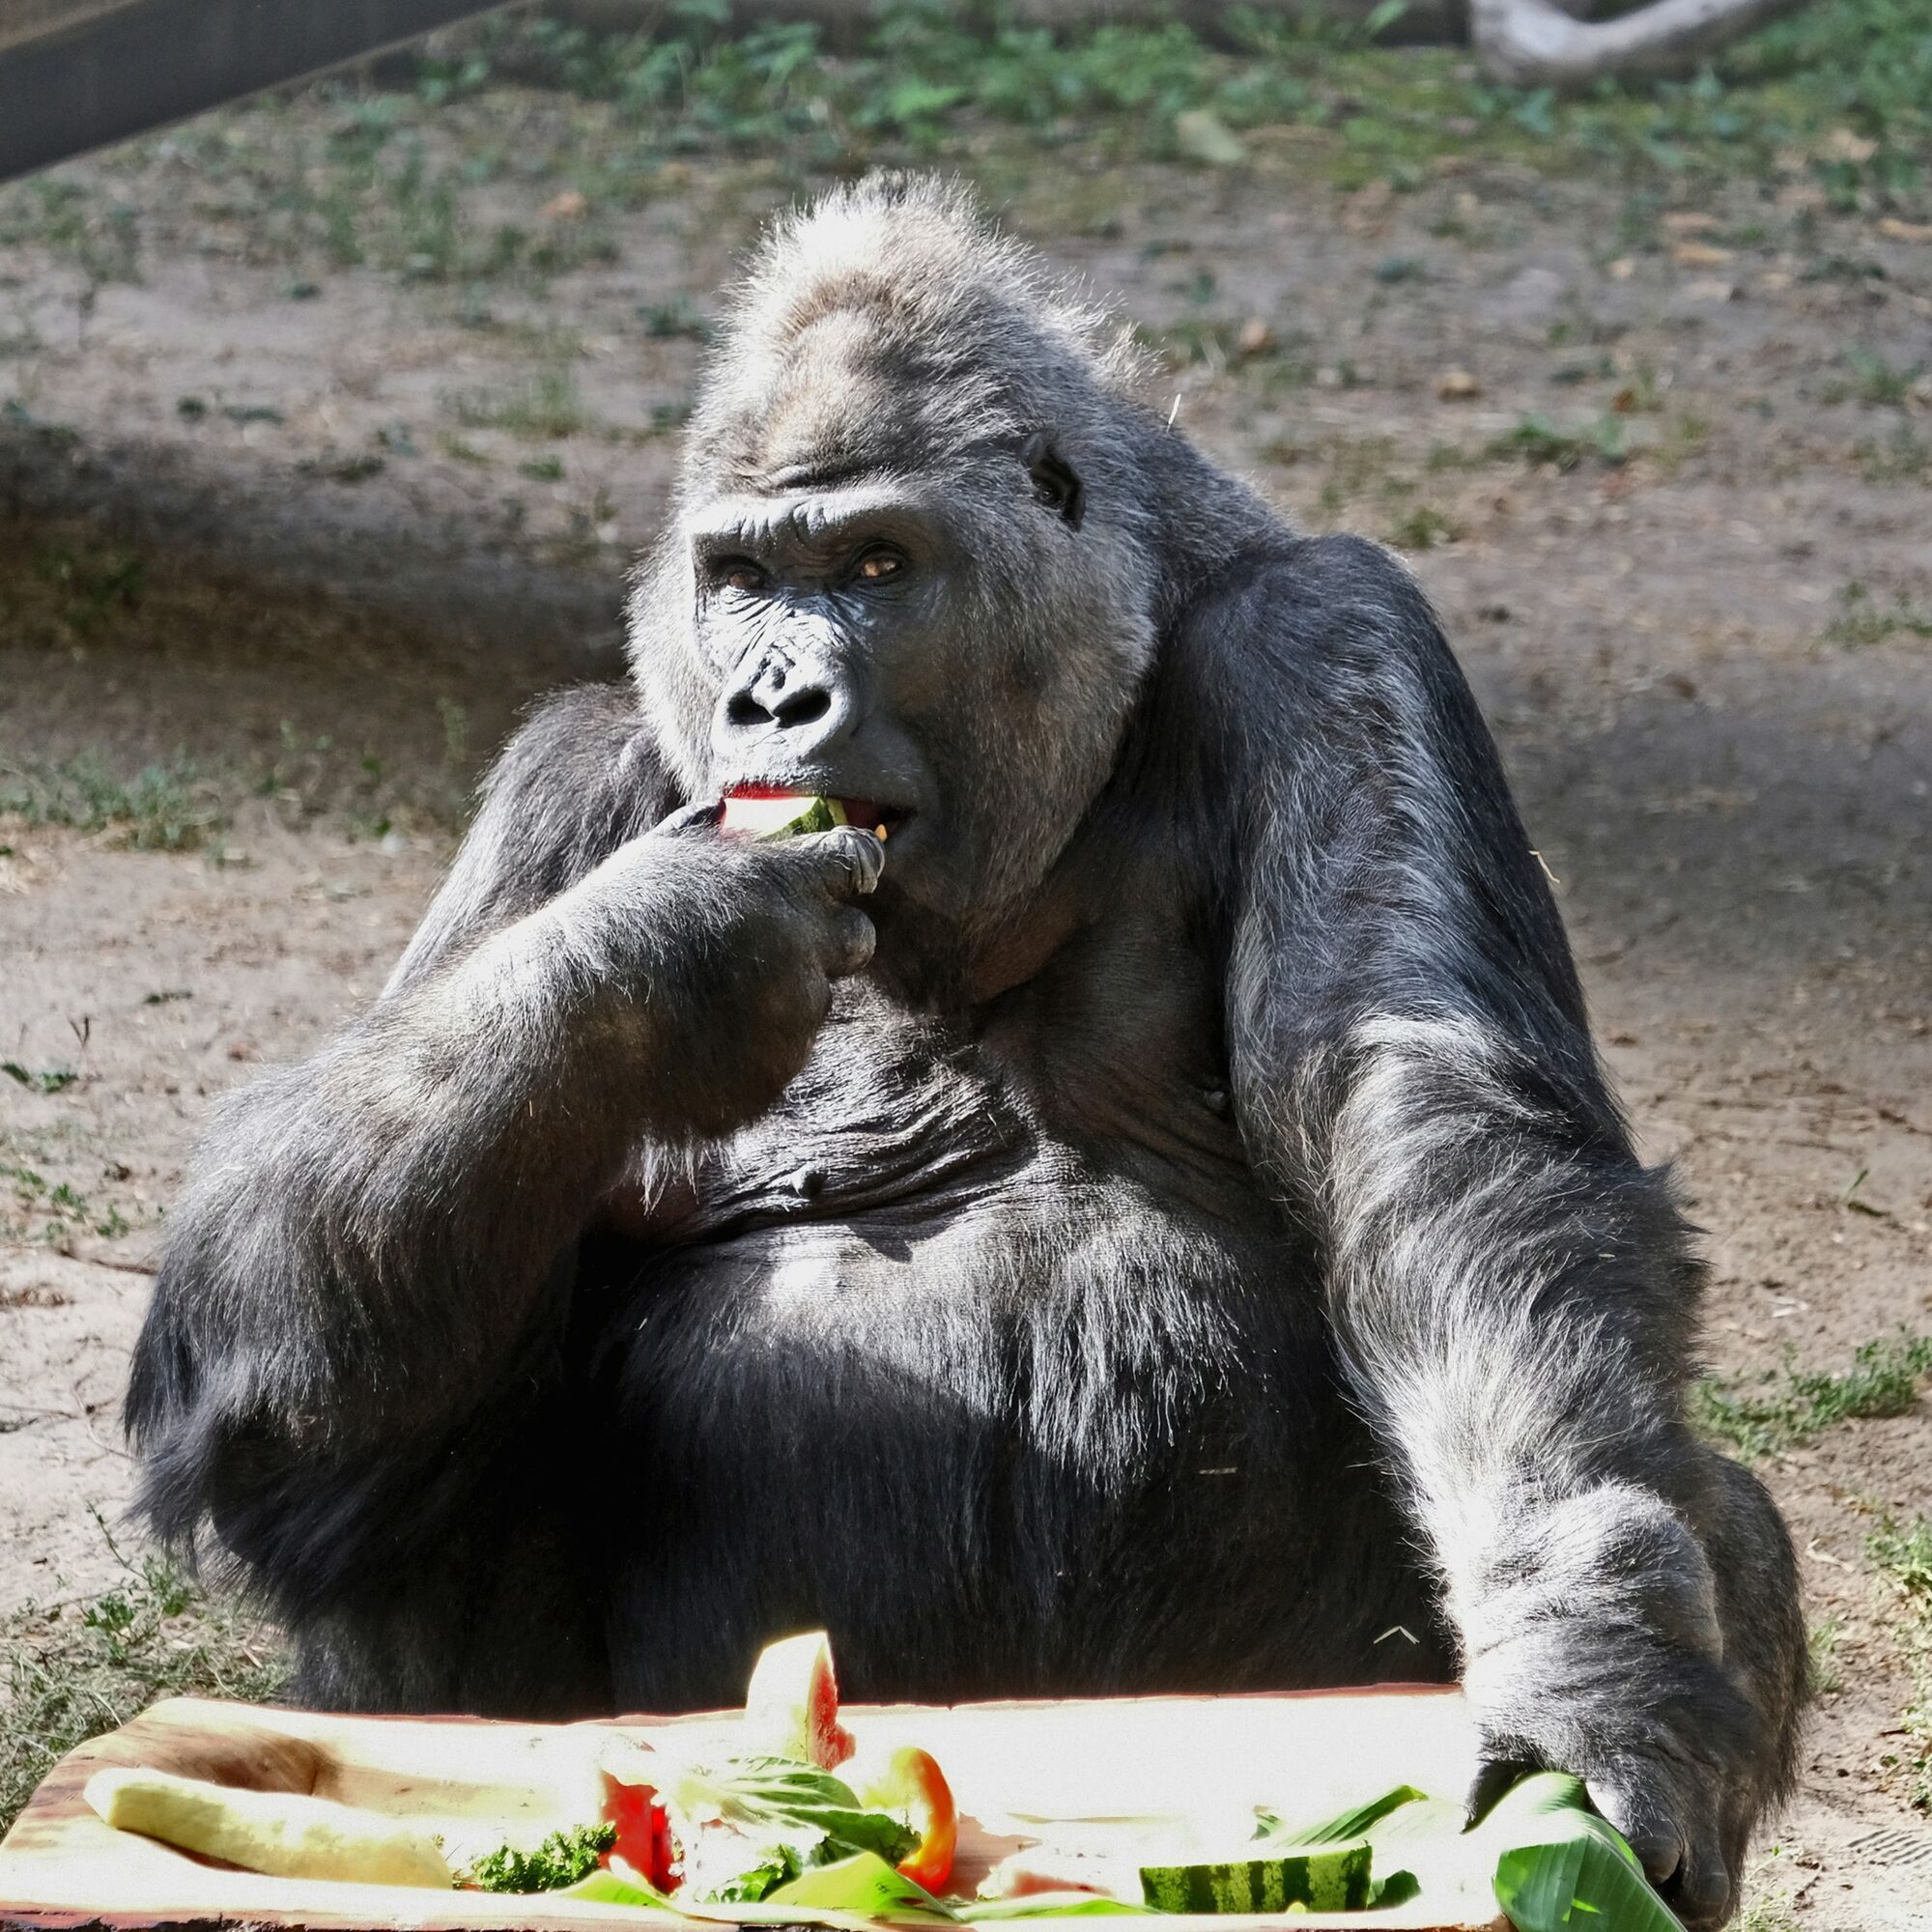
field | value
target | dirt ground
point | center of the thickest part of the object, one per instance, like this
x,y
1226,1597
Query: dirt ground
x,y
307,549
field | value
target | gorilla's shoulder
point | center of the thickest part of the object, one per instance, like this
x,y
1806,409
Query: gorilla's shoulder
x,y
1311,587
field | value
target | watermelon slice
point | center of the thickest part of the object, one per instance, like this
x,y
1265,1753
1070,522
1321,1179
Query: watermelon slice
x,y
1322,1878
780,814
791,1707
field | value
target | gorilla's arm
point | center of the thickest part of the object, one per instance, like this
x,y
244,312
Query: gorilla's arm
x,y
1513,1296
360,1310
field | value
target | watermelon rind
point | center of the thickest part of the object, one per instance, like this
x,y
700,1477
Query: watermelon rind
x,y
1320,1877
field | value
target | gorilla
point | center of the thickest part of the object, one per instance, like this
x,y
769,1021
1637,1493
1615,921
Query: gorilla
x,y
1139,1209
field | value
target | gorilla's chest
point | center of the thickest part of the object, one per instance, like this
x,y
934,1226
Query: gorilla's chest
x,y
1005,1399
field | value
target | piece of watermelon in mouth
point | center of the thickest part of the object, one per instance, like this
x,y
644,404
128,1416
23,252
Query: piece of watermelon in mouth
x,y
770,812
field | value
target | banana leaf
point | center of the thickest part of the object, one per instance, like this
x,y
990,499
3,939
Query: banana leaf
x,y
1561,1868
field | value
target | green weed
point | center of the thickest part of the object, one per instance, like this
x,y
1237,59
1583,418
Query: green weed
x,y
1784,1408
1862,622
1903,1557
1821,1655
1537,441
1876,383
163,807
546,407
1903,457
77,1670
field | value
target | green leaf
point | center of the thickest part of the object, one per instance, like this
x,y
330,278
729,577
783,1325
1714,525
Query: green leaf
x,y
610,1888
865,1884
1048,1905
777,1797
624,1884
1343,1826
1561,1868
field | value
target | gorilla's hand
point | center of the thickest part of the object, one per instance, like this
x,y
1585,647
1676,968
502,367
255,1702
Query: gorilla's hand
x,y
727,950
1597,1651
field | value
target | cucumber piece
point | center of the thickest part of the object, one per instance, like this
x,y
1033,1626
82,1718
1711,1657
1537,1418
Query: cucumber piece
x,y
788,816
1322,1878
280,1833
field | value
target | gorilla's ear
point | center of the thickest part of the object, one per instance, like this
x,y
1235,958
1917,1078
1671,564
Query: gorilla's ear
x,y
1055,481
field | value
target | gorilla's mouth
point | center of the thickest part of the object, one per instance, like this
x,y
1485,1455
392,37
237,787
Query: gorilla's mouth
x,y
872,816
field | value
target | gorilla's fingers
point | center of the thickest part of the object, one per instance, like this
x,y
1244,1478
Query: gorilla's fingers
x,y
853,860
691,817
854,936
1705,1893
1651,1832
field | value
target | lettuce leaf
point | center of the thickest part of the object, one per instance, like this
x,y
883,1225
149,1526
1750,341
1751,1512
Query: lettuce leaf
x,y
780,1800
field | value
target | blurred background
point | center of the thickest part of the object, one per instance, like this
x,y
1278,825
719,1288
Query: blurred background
x,y
330,422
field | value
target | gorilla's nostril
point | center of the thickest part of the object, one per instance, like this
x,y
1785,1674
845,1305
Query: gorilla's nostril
x,y
745,710
803,709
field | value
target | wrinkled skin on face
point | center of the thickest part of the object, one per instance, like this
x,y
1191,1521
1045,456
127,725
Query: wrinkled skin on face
x,y
959,642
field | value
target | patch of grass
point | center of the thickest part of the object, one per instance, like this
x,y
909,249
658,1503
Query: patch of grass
x,y
1841,94
1903,1557
91,582
77,1670
163,807
1537,441
1875,382
544,409
1784,1408
1862,622
42,1080
1423,528
1821,1656
56,1213
1903,457
71,220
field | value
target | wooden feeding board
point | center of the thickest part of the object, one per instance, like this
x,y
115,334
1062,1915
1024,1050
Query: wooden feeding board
x,y
1107,1778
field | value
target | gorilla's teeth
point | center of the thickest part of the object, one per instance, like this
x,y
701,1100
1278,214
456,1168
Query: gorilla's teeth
x,y
882,829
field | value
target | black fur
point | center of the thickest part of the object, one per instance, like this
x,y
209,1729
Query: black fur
x,y
1197,1249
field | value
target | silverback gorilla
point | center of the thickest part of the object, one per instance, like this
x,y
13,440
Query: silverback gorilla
x,y
1156,1223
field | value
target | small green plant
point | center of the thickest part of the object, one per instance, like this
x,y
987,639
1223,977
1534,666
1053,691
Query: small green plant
x,y
163,807
1822,1656
1861,621
1784,1408
544,409
1537,441
1423,528
1903,457
1877,383
45,1080
76,1671
1903,1557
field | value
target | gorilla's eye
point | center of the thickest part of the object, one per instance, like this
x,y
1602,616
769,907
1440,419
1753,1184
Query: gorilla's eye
x,y
737,573
877,564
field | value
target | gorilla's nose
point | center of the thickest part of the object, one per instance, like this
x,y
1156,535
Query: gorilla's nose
x,y
799,706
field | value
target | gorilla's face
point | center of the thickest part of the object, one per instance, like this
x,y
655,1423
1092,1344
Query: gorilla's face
x,y
947,655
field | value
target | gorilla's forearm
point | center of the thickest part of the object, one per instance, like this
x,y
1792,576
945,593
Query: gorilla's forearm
x,y
1505,1284
366,1232
362,1250
1513,1296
